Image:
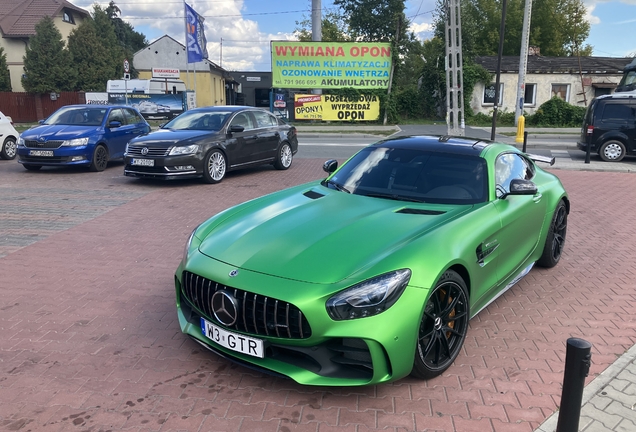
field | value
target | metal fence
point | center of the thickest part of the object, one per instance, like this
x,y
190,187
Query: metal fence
x,y
30,107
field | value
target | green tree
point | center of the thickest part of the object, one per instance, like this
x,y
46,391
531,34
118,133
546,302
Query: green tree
x,y
106,32
47,62
129,40
557,27
334,28
90,58
5,76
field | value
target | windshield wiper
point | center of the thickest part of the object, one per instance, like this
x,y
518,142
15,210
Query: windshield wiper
x,y
338,186
394,197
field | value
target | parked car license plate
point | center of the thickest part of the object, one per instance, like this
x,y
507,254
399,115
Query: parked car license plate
x,y
143,162
40,152
233,341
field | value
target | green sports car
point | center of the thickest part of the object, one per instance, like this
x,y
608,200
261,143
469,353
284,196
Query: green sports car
x,y
373,273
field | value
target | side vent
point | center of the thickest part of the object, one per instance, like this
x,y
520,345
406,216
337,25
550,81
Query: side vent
x,y
313,195
420,211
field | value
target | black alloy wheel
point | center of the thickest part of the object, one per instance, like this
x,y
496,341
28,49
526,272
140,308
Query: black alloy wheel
x,y
555,240
443,327
100,159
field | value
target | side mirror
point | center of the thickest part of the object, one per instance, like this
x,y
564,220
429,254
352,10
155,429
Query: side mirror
x,y
522,187
40,121
236,128
330,166
114,124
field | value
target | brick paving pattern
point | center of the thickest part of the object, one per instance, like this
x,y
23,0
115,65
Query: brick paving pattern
x,y
89,338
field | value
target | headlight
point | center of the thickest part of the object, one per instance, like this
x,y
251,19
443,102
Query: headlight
x,y
20,141
183,150
75,142
187,246
370,297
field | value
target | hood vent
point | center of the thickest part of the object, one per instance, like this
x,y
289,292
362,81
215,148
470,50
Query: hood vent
x,y
313,195
420,211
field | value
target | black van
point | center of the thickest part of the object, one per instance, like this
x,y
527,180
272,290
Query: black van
x,y
610,126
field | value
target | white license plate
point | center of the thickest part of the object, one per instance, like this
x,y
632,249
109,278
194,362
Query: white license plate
x,y
40,152
143,162
233,341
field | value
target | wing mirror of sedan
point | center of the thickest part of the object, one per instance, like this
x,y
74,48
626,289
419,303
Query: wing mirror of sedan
x,y
114,124
522,187
236,128
330,166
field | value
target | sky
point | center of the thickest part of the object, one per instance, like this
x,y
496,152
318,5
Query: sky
x,y
239,31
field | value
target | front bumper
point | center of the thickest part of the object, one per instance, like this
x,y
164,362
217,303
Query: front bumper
x,y
165,168
62,156
337,353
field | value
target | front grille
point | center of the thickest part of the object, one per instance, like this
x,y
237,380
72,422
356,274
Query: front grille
x,y
258,314
42,145
135,150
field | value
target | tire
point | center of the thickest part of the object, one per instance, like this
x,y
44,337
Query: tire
x,y
100,159
284,157
30,167
612,151
555,240
9,149
214,166
443,327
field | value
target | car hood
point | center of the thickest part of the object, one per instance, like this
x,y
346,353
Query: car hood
x,y
59,132
319,239
169,137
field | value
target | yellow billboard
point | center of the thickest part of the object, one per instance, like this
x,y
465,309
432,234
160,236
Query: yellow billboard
x,y
363,65
336,108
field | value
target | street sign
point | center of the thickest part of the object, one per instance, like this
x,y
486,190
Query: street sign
x,y
126,66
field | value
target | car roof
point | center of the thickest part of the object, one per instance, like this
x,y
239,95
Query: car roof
x,y
438,143
225,108
96,106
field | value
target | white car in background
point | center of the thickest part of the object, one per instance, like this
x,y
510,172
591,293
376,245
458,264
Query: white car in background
x,y
8,138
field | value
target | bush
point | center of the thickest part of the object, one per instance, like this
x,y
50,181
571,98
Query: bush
x,y
557,113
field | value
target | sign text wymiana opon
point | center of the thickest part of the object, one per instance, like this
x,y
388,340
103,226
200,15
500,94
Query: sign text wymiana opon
x,y
363,65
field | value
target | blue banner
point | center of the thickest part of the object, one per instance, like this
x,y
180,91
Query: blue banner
x,y
195,37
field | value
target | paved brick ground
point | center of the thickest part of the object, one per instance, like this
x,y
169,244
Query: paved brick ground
x,y
89,339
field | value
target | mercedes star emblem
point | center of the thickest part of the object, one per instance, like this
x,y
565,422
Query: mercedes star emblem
x,y
225,307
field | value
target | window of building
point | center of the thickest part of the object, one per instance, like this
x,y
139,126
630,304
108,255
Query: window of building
x,y
600,91
489,94
67,17
562,91
530,95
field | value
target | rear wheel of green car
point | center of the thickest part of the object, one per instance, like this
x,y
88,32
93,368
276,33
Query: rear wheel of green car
x,y
555,240
443,327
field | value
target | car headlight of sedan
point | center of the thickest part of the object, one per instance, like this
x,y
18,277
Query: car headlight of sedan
x,y
20,142
184,150
76,142
370,297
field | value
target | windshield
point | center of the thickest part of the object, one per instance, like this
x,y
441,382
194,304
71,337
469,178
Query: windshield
x,y
198,120
628,82
81,116
413,175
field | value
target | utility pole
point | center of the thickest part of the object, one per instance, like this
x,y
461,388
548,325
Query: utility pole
x,y
523,60
502,29
316,27
454,71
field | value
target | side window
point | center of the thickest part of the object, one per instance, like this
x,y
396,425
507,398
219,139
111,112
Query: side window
x,y
132,117
264,119
511,166
618,112
116,115
243,119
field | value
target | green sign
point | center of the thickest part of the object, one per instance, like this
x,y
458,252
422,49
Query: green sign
x,y
363,65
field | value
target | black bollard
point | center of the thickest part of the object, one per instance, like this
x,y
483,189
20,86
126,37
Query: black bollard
x,y
578,359
588,150
525,141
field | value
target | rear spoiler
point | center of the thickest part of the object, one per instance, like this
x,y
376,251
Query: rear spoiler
x,y
539,158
